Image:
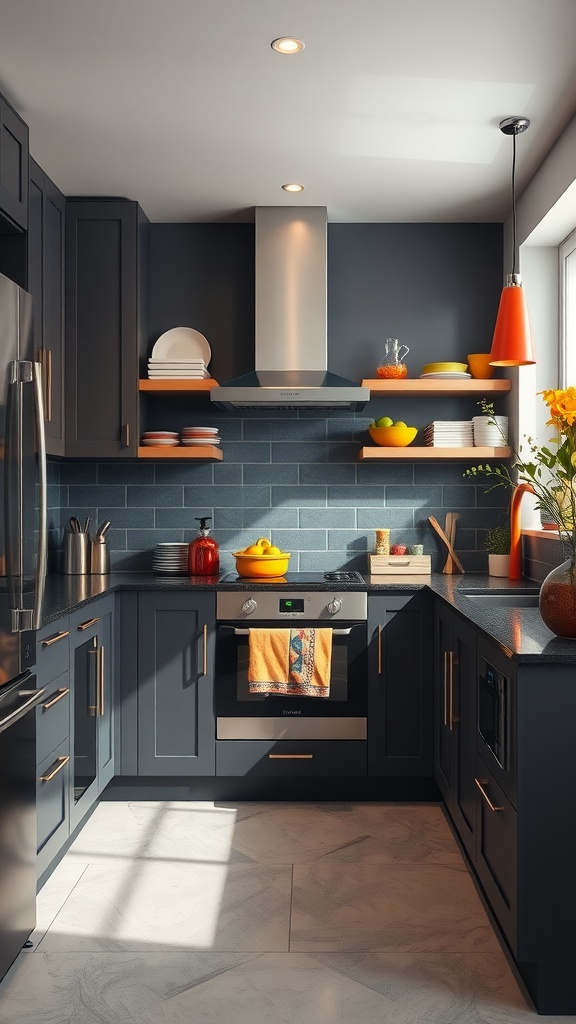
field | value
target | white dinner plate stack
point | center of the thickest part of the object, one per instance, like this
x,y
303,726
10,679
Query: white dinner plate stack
x,y
180,354
488,434
171,559
191,436
449,434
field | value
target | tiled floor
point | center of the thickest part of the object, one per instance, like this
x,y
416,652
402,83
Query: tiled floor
x,y
193,913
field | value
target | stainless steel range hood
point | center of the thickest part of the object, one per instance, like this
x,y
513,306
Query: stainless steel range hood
x,y
291,320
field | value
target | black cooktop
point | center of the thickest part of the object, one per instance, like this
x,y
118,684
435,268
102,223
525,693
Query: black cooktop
x,y
340,577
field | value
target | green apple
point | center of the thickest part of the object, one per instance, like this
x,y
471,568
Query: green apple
x,y
384,421
399,423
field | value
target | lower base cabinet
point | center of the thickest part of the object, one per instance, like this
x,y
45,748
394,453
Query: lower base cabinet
x,y
53,804
176,724
497,850
298,759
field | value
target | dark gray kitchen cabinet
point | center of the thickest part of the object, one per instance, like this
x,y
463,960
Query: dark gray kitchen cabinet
x,y
92,731
13,169
106,325
496,855
331,759
176,725
400,685
45,281
455,720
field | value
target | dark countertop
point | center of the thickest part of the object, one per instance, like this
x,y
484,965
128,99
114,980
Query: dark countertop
x,y
519,631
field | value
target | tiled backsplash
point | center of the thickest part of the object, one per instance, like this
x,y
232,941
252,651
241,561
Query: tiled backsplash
x,y
292,476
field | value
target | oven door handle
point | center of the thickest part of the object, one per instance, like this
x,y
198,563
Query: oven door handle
x,y
336,632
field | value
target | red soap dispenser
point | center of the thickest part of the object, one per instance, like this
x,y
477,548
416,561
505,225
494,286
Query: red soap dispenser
x,y
203,554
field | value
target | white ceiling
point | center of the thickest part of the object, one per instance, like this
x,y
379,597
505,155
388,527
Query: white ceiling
x,y
390,113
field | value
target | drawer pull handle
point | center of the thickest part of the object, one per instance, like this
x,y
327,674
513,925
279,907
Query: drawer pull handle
x,y
54,639
88,623
484,782
379,649
101,681
205,654
55,768
290,757
54,700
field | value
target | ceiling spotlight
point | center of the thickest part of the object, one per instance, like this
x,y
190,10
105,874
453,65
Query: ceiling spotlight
x,y
293,187
287,44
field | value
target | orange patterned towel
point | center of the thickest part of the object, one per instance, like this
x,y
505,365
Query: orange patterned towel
x,y
290,662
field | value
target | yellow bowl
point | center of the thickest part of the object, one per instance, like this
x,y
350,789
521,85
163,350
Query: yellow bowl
x,y
261,565
393,437
445,368
479,365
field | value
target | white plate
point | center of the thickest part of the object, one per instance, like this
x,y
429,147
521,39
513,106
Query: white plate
x,y
182,343
448,376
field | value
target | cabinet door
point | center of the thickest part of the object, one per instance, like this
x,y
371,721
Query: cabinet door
x,y
53,804
400,686
496,850
455,730
104,300
13,167
46,284
176,725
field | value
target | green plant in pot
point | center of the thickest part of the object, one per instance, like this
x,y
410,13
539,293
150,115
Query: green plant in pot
x,y
497,544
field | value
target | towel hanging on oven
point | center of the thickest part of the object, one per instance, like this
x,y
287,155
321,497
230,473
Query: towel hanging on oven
x,y
290,662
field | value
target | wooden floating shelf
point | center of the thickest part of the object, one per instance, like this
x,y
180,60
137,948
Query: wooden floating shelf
x,y
436,386
430,452
199,451
176,387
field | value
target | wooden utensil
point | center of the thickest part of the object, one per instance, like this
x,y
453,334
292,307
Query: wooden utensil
x,y
436,526
450,531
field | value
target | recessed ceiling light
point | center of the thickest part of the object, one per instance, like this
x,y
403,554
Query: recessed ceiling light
x,y
293,187
287,44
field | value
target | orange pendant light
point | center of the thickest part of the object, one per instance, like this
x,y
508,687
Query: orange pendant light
x,y
512,344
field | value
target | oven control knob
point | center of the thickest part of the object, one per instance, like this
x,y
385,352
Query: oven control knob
x,y
249,606
334,605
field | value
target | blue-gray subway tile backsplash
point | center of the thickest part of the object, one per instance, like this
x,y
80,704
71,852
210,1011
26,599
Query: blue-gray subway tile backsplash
x,y
294,477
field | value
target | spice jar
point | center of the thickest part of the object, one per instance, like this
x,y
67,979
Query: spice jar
x,y
382,542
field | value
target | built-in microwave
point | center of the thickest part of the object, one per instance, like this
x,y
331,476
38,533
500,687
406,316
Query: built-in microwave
x,y
493,711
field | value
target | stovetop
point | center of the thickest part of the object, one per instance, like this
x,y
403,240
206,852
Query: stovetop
x,y
337,579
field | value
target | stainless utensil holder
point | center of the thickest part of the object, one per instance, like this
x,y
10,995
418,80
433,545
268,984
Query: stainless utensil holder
x,y
76,554
99,557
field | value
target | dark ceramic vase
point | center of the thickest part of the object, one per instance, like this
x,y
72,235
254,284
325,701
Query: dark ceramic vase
x,y
557,600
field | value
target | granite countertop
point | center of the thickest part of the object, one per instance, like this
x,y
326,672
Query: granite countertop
x,y
520,631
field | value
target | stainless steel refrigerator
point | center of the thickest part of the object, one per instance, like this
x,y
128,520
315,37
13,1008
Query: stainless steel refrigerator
x,y
22,577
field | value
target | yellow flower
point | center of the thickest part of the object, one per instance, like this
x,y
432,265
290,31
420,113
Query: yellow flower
x,y
562,405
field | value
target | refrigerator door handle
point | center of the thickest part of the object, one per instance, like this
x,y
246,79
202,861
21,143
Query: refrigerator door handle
x,y
41,560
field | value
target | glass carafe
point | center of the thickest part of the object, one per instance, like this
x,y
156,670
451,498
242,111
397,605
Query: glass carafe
x,y
393,366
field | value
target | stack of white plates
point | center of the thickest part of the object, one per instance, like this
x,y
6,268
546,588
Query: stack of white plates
x,y
160,439
449,434
488,434
180,354
453,375
191,436
171,559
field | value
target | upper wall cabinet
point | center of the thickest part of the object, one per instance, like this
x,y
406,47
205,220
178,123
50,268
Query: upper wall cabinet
x,y
106,325
45,280
13,169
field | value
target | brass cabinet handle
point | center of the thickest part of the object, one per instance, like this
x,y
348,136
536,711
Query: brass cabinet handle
x,y
54,639
445,683
54,700
94,709
89,622
205,655
55,768
101,660
290,757
379,649
48,357
451,690
484,782
126,432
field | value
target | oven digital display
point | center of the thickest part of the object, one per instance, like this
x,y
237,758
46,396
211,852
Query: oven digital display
x,y
291,605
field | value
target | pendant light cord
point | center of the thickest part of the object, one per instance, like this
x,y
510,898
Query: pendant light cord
x,y
513,204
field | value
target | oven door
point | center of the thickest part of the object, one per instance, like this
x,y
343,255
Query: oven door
x,y
244,715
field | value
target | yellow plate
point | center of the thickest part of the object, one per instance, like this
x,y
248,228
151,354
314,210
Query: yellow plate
x,y
445,368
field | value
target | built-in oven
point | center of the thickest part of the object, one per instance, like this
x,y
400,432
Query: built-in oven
x,y
492,710
245,715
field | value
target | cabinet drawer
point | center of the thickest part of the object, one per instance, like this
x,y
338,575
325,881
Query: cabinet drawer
x,y
53,717
496,850
53,794
291,759
52,651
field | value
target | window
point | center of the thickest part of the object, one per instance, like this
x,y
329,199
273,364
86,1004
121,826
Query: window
x,y
567,282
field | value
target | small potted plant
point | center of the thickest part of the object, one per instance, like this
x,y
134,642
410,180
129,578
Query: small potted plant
x,y
497,545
